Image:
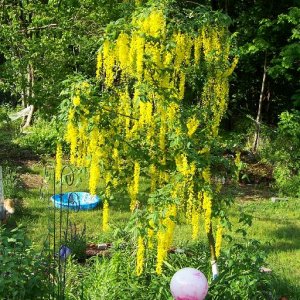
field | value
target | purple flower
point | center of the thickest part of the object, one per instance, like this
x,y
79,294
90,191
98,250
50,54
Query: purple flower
x,y
64,252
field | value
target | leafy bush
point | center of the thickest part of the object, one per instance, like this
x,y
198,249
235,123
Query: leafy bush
x,y
285,154
114,278
240,276
23,273
11,182
76,241
41,137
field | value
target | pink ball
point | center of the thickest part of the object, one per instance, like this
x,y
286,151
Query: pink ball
x,y
189,284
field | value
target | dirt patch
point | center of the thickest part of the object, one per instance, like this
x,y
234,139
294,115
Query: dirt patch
x,y
31,181
100,249
252,192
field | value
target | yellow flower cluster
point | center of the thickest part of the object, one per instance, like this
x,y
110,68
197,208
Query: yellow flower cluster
x,y
165,237
218,239
108,63
207,204
58,166
145,114
140,256
133,188
161,251
71,136
94,173
183,166
153,178
76,100
105,224
192,125
195,223
190,201
122,45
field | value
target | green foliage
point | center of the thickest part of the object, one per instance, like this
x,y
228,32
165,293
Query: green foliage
x,y
22,273
6,124
40,138
11,182
114,278
42,42
4,118
285,153
76,241
240,276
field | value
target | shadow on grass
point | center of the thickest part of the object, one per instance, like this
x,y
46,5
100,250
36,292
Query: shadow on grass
x,y
286,238
285,290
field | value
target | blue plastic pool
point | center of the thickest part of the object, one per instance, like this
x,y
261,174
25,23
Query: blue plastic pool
x,y
75,200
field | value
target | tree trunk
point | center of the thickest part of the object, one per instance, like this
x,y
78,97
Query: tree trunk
x,y
259,111
29,94
211,242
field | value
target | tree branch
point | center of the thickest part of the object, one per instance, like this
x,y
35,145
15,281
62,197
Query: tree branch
x,y
41,27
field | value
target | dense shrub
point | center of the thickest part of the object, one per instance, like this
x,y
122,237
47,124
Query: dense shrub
x,y
284,153
41,137
23,273
114,278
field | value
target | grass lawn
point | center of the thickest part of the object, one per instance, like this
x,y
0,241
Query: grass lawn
x,y
275,225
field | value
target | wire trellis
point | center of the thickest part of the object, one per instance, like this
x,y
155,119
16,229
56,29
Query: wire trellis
x,y
58,225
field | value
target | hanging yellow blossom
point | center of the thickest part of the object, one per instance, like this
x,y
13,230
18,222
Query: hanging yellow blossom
x,y
153,177
108,63
207,203
133,187
192,125
58,166
94,173
140,256
181,85
161,251
232,67
197,49
169,223
76,100
179,50
190,202
157,23
218,239
123,50
140,42
105,225
195,222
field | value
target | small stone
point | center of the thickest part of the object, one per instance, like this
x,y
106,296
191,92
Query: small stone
x,y
265,270
277,199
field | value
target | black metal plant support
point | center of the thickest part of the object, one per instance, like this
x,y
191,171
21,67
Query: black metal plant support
x,y
58,224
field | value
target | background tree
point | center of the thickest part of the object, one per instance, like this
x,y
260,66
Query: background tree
x,y
44,42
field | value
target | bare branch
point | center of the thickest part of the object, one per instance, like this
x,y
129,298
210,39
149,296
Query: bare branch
x,y
40,27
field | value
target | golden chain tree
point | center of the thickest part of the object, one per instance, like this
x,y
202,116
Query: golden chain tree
x,y
153,117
